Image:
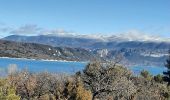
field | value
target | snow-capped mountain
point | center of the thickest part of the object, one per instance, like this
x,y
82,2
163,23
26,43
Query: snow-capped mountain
x,y
121,37
93,41
128,36
140,49
135,36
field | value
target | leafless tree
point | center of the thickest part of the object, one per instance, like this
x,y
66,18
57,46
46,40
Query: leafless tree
x,y
56,85
25,83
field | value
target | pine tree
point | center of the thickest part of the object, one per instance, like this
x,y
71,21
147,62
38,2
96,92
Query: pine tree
x,y
166,77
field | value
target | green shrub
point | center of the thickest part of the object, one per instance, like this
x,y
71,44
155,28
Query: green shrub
x,y
145,74
158,78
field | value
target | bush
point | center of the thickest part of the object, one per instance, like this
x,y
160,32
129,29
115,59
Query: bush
x,y
76,90
7,92
158,78
146,74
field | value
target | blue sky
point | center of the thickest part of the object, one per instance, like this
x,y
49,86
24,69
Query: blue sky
x,y
85,16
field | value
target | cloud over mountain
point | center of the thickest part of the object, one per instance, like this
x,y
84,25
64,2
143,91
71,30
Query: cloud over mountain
x,y
32,30
26,30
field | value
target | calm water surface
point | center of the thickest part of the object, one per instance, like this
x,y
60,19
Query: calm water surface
x,y
61,66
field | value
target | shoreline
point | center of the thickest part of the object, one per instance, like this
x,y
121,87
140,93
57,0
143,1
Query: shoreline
x,y
49,60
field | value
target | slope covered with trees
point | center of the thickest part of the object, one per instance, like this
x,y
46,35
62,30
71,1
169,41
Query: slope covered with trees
x,y
39,51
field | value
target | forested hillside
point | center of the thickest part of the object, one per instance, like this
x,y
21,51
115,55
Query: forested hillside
x,y
39,51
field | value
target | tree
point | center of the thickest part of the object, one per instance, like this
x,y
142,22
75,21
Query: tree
x,y
41,85
107,79
158,78
25,84
146,74
56,85
7,92
166,77
77,91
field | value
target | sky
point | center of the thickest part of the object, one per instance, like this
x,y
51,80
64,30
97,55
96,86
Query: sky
x,y
106,17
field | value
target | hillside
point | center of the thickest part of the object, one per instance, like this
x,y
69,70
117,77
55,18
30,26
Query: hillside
x,y
39,51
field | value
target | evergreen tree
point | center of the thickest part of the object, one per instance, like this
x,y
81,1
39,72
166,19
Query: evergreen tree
x,y
145,74
166,77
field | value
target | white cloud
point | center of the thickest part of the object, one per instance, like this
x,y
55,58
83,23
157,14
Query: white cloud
x,y
26,30
57,32
135,35
31,29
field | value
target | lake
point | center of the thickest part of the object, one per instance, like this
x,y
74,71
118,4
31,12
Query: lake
x,y
61,66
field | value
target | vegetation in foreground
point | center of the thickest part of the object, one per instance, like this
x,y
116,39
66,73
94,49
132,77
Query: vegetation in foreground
x,y
98,81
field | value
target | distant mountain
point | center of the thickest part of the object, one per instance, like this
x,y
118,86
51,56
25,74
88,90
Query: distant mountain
x,y
146,50
39,51
95,42
54,40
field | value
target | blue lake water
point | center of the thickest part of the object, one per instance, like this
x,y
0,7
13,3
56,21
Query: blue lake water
x,y
154,70
61,66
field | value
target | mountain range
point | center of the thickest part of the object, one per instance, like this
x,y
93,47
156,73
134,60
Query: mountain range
x,y
136,49
90,41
